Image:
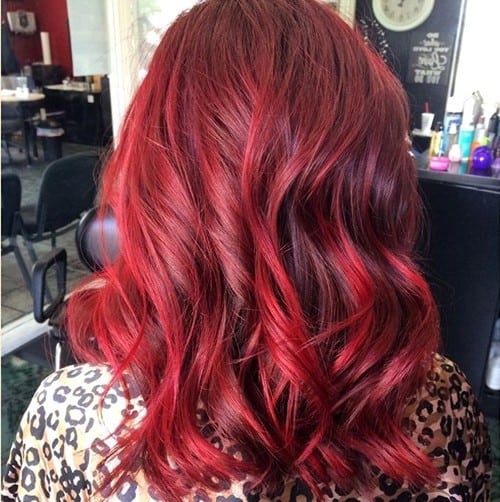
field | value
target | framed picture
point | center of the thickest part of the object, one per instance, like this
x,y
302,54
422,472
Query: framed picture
x,y
346,9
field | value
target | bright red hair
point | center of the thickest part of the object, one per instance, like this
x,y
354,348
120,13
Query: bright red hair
x,y
267,208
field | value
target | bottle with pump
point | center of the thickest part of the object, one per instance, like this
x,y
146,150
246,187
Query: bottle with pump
x,y
451,137
472,109
471,113
495,144
493,124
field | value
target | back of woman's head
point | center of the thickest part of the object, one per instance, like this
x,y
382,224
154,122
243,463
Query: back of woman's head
x,y
267,209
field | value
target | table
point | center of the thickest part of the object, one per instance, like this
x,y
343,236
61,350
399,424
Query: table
x,y
27,103
85,120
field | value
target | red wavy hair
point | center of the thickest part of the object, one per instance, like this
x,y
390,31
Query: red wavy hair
x,y
267,208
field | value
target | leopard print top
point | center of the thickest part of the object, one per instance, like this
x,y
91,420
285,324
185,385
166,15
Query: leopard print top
x,y
65,433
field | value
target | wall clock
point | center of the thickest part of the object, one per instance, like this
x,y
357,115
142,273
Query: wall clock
x,y
402,15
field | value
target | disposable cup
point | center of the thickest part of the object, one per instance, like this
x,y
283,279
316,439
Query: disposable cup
x,y
427,119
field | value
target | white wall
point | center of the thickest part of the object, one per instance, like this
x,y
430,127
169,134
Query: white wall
x,y
479,58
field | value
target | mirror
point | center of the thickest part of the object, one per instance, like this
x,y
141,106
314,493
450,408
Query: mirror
x,y
476,66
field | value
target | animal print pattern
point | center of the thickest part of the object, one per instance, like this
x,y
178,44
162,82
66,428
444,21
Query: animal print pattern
x,y
68,429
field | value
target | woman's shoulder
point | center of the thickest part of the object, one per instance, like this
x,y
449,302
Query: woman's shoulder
x,y
446,402
445,421
87,393
86,377
85,403
77,374
446,391
73,419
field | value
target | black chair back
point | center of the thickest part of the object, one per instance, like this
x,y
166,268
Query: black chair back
x,y
97,240
11,202
68,189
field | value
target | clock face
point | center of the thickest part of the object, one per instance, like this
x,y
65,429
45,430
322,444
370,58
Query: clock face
x,y
402,15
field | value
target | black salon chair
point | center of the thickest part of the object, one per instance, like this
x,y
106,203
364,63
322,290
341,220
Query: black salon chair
x,y
12,123
97,242
11,205
67,190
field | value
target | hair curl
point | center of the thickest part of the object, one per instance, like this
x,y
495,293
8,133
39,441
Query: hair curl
x,y
267,209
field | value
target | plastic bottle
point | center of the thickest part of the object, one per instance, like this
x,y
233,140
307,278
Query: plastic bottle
x,y
495,146
452,121
437,161
465,137
472,109
495,168
471,112
493,124
479,139
492,377
439,140
451,137
436,140
454,157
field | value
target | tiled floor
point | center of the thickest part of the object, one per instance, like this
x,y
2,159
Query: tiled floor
x,y
16,299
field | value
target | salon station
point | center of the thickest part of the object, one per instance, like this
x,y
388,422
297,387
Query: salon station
x,y
69,69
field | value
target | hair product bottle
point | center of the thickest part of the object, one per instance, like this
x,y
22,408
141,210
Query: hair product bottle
x,y
493,124
455,158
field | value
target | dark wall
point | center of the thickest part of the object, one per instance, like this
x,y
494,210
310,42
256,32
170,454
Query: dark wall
x,y
51,16
399,53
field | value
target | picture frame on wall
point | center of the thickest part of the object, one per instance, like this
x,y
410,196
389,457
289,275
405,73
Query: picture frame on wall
x,y
346,9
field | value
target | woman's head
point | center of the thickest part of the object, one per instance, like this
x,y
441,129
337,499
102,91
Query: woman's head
x,y
267,209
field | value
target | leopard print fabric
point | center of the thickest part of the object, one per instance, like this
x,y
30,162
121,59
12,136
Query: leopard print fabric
x,y
67,430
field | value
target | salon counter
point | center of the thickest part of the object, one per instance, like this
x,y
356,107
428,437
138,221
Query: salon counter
x,y
465,180
460,251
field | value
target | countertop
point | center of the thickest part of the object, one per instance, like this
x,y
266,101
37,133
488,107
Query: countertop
x,y
70,88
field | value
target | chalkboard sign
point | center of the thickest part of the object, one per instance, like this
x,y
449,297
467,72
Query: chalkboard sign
x,y
430,58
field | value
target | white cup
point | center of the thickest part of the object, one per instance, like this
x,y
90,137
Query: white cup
x,y
427,119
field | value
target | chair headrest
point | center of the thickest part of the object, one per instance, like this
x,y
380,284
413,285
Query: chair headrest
x,y
97,240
